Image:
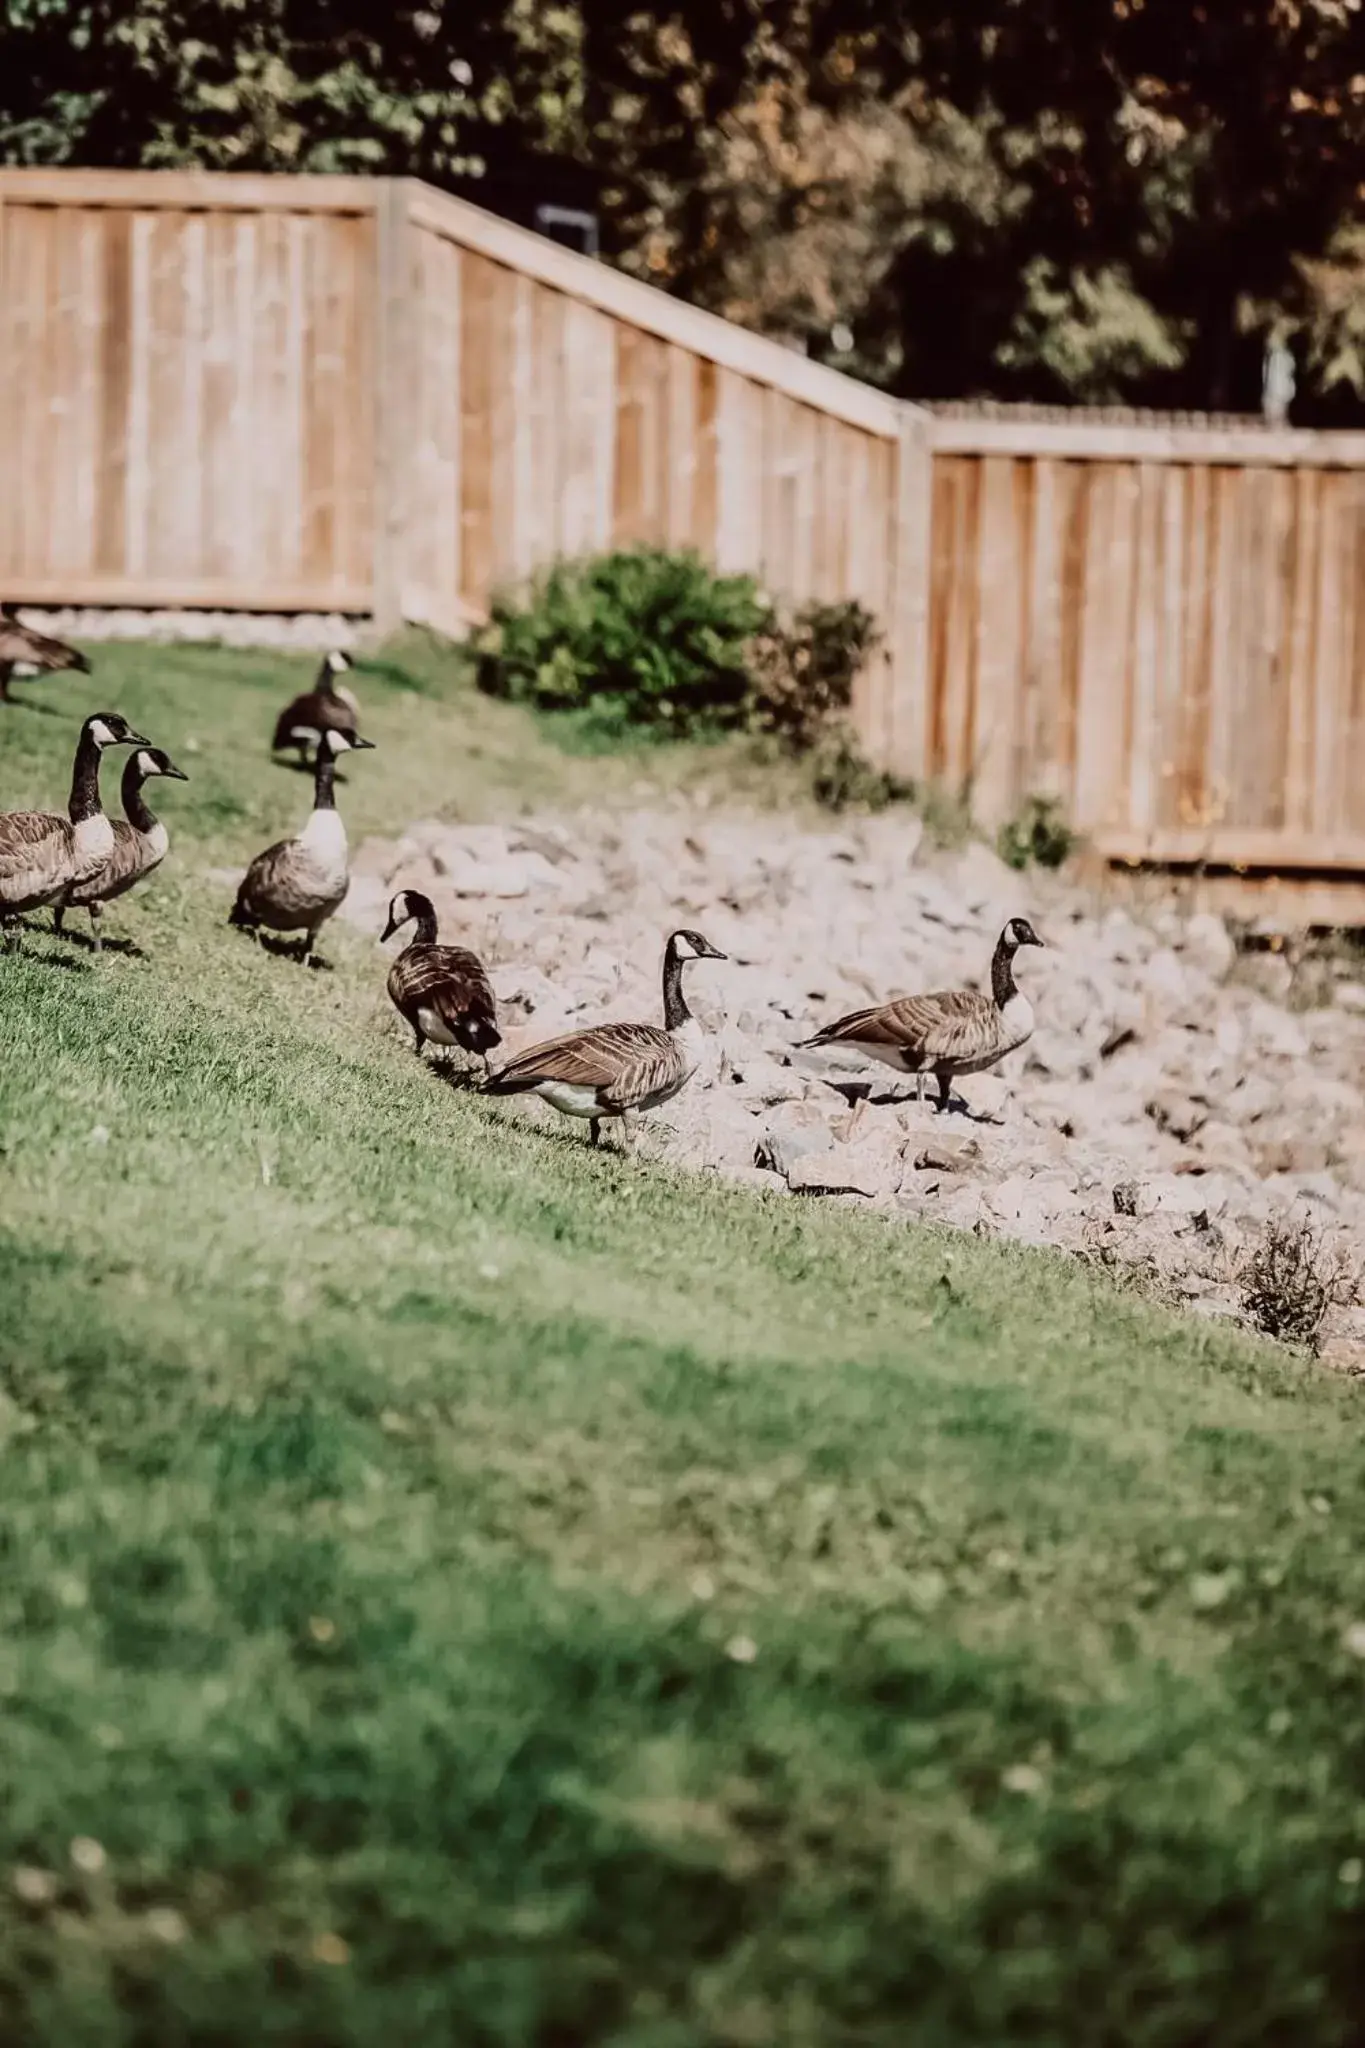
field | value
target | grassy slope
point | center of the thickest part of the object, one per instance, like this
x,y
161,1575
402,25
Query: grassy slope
x,y
388,1486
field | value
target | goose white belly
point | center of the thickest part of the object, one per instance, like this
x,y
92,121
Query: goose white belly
x,y
899,1058
435,1027
569,1099
322,845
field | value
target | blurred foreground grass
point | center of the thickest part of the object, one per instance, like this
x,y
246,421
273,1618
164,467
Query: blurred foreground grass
x,y
460,1588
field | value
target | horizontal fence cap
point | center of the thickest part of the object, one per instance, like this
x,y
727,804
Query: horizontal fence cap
x,y
637,304
191,190
1082,438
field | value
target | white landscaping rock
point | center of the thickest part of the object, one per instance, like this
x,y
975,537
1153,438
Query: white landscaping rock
x,y
1154,1091
1208,944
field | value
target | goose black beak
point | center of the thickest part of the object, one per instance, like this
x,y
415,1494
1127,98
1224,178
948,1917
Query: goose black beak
x,y
358,742
175,774
714,953
390,928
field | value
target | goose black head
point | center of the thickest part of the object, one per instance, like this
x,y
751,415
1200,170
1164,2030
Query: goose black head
x,y
151,761
1019,932
334,742
687,945
406,905
107,729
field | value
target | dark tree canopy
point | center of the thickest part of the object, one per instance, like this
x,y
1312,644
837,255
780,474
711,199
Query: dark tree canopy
x,y
1095,199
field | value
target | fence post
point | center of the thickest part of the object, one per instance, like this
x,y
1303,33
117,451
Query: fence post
x,y
908,748
393,367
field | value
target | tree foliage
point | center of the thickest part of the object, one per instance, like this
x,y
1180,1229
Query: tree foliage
x,y
318,85
1102,199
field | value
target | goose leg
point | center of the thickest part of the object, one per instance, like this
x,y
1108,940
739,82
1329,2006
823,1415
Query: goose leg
x,y
6,671
11,936
419,1039
96,913
945,1088
630,1128
920,1079
58,913
595,1129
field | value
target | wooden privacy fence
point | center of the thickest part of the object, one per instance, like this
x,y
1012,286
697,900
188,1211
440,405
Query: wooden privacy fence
x,y
365,396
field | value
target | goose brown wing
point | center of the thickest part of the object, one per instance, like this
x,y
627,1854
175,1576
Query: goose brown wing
x,y
447,979
267,879
38,650
949,1024
27,838
626,1063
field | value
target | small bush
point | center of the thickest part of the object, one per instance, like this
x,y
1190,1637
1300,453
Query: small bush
x,y
1290,1279
1038,837
641,639
803,674
803,677
647,641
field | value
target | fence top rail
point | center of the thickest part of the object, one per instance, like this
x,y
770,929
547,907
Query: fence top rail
x,y
190,191
1250,447
644,306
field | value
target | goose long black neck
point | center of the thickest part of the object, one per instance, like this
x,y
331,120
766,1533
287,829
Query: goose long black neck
x,y
676,1011
136,809
85,781
324,775
424,922
1002,973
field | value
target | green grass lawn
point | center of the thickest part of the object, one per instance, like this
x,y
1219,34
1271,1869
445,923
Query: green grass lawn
x,y
477,1591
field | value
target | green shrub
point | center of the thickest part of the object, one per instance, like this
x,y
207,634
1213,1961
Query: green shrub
x,y
641,639
1038,837
646,641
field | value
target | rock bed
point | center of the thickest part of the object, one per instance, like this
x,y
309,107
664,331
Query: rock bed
x,y
283,632
1168,1104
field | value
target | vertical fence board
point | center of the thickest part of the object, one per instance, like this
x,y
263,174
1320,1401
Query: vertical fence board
x,y
1000,587
1352,810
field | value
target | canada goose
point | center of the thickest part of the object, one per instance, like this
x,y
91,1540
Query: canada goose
x,y
442,991
955,1031
328,707
37,654
140,843
298,884
42,854
617,1069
